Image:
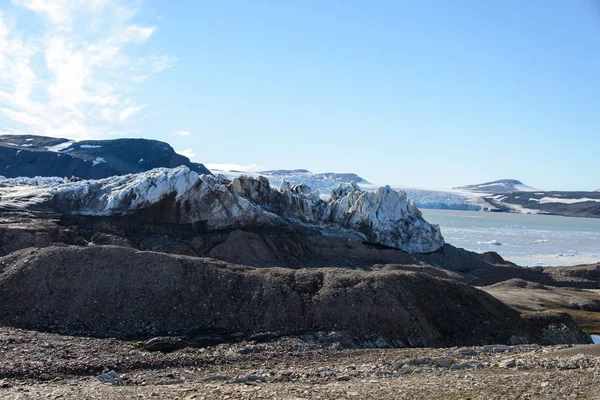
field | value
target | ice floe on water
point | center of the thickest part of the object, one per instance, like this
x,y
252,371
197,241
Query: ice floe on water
x,y
529,240
493,242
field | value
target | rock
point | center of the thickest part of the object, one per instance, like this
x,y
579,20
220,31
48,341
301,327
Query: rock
x,y
509,363
255,378
466,365
496,349
419,361
45,377
407,369
466,352
443,362
111,378
165,344
249,350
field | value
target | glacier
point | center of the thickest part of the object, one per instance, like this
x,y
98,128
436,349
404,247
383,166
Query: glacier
x,y
181,196
444,199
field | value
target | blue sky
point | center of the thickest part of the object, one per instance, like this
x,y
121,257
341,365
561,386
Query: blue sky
x,y
419,93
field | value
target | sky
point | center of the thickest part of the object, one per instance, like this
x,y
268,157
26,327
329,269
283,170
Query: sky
x,y
417,93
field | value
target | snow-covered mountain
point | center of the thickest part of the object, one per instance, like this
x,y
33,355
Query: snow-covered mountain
x,y
29,156
498,187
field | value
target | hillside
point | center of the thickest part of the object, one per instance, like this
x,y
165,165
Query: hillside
x,y
571,204
29,156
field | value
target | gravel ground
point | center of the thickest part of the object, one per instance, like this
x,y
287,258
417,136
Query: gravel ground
x,y
51,366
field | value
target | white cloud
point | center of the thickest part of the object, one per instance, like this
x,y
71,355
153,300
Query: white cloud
x,y
71,82
181,133
189,153
161,63
58,12
130,112
234,167
138,34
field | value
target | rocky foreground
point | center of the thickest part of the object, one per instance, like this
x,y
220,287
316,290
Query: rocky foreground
x,y
41,365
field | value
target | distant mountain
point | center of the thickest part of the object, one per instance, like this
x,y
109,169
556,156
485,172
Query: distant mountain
x,y
325,182
570,204
28,155
498,187
304,173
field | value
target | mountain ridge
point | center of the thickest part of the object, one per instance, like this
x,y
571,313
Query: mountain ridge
x,y
30,156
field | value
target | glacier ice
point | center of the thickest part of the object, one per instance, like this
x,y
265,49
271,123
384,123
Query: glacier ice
x,y
384,216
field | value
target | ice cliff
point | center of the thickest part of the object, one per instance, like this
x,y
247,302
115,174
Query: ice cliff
x,y
182,196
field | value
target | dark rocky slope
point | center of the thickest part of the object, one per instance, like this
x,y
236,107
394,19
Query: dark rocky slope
x,y
115,291
109,287
29,156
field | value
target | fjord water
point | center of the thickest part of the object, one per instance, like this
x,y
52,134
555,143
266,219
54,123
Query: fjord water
x,y
525,239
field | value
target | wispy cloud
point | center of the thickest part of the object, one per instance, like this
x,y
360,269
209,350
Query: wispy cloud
x,y
181,133
234,167
72,82
130,111
189,153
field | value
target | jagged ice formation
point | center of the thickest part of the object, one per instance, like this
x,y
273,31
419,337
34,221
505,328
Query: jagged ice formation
x,y
181,196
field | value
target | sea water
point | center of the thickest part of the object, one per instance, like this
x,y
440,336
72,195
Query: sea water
x,y
525,239
596,338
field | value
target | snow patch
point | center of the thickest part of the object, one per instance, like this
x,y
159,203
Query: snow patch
x,y
546,200
90,146
98,160
60,146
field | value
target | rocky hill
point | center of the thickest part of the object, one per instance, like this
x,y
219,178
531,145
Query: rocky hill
x,y
510,195
29,156
570,204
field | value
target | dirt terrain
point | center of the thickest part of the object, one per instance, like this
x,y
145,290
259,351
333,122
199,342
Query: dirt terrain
x,y
582,304
50,366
